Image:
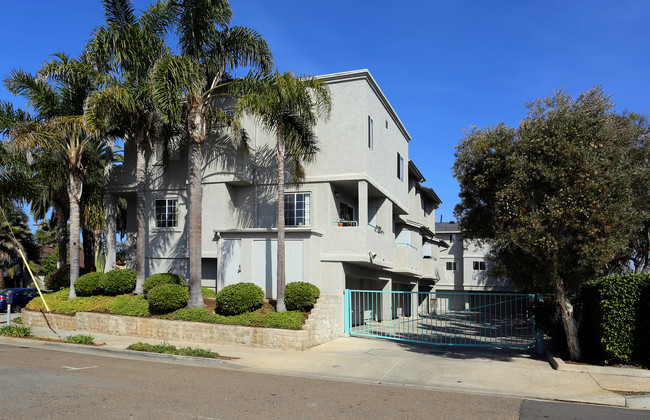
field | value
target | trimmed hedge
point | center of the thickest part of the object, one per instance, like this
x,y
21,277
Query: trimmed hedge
x,y
208,293
166,298
300,296
130,305
239,298
59,303
119,282
615,314
290,320
58,279
89,284
161,278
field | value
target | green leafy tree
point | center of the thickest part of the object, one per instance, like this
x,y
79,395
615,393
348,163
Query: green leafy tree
x,y
15,237
185,87
289,107
553,196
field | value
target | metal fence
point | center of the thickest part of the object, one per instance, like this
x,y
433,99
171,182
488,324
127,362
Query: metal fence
x,y
443,318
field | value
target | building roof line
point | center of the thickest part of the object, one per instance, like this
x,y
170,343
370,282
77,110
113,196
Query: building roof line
x,y
364,74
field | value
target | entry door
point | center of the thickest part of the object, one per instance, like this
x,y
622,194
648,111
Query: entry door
x,y
230,263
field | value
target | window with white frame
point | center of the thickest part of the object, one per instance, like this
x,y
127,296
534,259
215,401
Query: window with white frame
x,y
167,213
297,209
452,238
371,136
400,167
479,265
452,265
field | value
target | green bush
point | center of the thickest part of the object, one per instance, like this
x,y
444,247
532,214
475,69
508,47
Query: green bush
x,y
165,348
19,331
195,315
80,339
616,319
130,305
118,282
300,296
166,298
290,320
208,293
162,278
239,298
89,284
58,279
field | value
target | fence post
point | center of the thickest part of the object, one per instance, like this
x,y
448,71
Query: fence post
x,y
347,308
540,334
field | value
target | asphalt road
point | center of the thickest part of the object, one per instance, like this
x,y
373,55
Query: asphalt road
x,y
38,383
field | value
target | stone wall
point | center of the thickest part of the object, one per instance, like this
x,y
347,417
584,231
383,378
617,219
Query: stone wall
x,y
324,324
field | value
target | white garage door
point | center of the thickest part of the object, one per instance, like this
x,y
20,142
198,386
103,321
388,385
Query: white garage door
x,y
265,264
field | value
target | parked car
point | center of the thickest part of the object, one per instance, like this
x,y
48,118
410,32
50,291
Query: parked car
x,y
21,298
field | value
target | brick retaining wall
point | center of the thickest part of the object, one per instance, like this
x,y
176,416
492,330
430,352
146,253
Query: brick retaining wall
x,y
324,324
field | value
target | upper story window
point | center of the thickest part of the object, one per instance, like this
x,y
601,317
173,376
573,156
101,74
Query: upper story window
x,y
345,212
400,167
167,213
371,135
452,265
297,209
479,265
452,239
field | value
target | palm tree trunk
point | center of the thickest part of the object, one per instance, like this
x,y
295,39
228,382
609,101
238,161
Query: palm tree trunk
x,y
141,215
568,320
61,234
280,306
196,130
74,193
2,278
88,249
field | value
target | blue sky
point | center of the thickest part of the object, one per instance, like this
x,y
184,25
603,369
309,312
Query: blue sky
x,y
444,65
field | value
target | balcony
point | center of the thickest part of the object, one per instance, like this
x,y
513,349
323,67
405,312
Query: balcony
x,y
407,259
357,244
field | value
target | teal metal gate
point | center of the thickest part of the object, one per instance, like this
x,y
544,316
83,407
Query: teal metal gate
x,y
444,318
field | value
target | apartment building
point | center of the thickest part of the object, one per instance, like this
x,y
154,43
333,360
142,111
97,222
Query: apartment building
x,y
361,219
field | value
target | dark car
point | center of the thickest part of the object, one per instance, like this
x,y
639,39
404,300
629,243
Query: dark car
x,y
21,298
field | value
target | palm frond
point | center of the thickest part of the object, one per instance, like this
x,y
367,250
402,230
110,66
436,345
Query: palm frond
x,y
197,23
172,79
119,13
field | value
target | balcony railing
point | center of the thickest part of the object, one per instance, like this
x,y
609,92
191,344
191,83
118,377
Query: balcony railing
x,y
377,229
344,223
406,245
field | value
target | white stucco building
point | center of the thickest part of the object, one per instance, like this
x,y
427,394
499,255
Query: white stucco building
x,y
361,219
464,265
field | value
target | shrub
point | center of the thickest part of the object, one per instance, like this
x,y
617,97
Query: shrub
x,y
130,305
162,278
58,279
195,315
166,298
165,348
208,293
290,320
118,282
89,284
80,339
615,319
300,296
239,298
19,331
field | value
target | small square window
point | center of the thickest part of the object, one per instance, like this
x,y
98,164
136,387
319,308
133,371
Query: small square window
x,y
452,266
479,265
167,213
297,209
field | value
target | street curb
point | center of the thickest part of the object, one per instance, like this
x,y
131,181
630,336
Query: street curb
x,y
640,402
119,353
559,364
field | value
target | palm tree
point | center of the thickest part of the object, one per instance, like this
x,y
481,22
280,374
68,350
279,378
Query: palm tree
x,y
15,237
128,47
186,85
288,107
58,94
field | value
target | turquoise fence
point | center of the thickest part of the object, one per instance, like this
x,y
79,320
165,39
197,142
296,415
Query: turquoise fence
x,y
444,318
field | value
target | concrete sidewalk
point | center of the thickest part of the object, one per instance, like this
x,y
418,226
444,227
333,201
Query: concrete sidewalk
x,y
494,372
